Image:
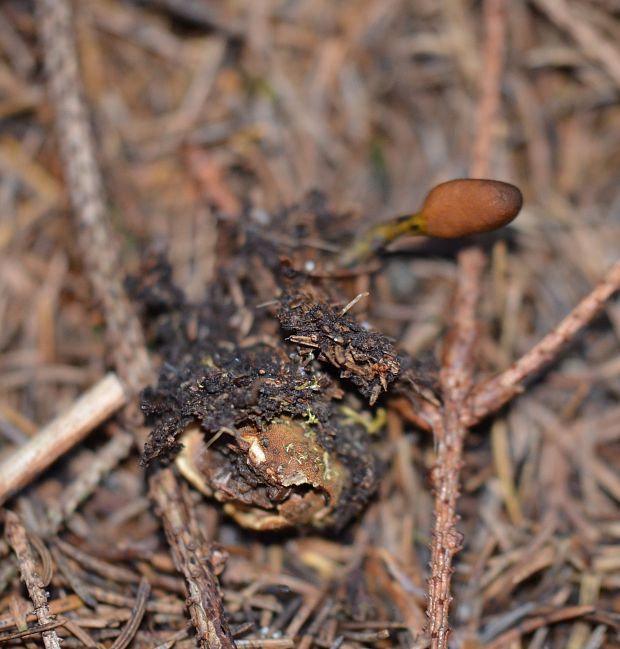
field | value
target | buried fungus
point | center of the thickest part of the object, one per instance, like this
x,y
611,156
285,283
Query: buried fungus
x,y
261,426
259,415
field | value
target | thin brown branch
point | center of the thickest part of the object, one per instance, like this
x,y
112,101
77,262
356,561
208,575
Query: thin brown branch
x,y
85,187
450,433
495,38
123,328
495,392
457,366
60,435
17,538
194,559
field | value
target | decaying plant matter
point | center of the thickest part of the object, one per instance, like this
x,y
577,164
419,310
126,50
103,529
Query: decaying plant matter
x,y
274,444
264,426
300,374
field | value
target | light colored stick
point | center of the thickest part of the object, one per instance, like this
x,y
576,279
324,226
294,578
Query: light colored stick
x,y
61,434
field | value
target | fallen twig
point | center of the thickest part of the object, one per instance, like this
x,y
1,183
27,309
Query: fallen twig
x,y
85,187
18,540
34,630
194,559
450,433
495,392
457,364
56,607
100,254
61,434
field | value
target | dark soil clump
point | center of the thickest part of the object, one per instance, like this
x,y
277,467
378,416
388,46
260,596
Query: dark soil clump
x,y
282,440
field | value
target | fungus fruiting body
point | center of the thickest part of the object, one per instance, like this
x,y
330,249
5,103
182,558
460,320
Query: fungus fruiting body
x,y
303,480
453,209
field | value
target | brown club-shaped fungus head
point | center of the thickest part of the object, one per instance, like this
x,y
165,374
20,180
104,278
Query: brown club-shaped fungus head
x,y
458,208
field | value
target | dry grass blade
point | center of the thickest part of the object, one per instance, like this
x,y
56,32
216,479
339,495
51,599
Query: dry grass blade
x,y
594,45
74,581
137,613
31,631
47,565
267,643
116,450
488,107
79,633
104,568
529,625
